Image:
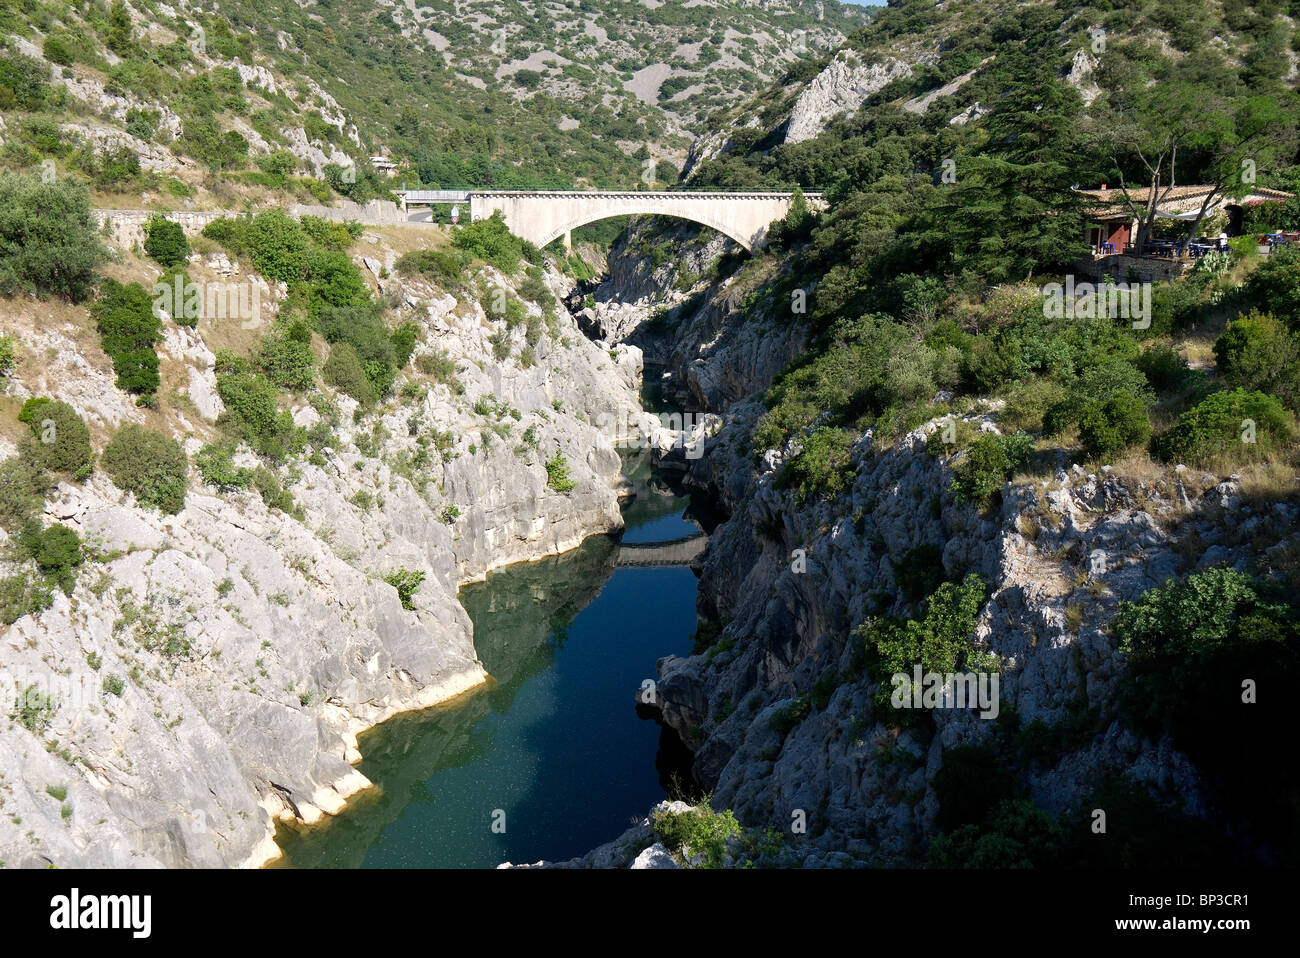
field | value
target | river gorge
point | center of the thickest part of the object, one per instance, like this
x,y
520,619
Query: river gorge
x,y
549,758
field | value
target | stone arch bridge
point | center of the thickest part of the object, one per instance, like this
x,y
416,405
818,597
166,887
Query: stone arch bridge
x,y
541,216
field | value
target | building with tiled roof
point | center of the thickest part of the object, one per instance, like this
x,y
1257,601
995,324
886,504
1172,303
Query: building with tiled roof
x,y
1113,217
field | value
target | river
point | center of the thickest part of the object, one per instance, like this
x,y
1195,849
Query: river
x,y
549,759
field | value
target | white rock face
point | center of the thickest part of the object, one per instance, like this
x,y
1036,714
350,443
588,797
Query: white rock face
x,y
1081,76
838,89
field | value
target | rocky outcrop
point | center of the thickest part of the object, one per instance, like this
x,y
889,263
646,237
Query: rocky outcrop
x,y
840,88
704,347
1081,77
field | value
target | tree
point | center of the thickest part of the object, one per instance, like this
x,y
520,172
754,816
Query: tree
x,y
118,38
1188,126
1011,212
165,241
1237,137
48,242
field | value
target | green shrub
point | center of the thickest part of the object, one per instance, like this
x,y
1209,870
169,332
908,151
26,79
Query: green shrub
x,y
57,553
361,327
1275,286
216,465
1027,404
404,338
49,243
1230,427
1164,368
8,355
56,51
149,465
939,640
273,494
823,467
114,685
63,439
165,241
990,461
20,596
784,720
1108,428
701,832
23,484
557,474
445,266
438,366
1258,352
534,288
129,329
343,370
491,241
1100,380
406,582
252,414
1014,834
287,361
24,82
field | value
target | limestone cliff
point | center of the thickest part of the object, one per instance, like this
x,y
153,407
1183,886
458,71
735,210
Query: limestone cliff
x,y
211,669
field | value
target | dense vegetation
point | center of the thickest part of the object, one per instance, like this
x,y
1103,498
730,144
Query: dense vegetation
x,y
129,329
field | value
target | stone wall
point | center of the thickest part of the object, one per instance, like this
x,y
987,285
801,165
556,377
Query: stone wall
x,y
373,213
126,227
1121,267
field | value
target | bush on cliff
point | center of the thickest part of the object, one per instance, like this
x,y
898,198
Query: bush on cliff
x,y
165,241
62,437
1108,428
150,465
343,370
1256,351
700,834
1227,428
129,329
491,241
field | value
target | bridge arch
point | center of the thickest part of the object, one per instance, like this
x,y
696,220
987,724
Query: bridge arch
x,y
748,242
541,216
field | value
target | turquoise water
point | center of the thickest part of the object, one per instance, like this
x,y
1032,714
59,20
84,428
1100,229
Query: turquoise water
x,y
554,743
